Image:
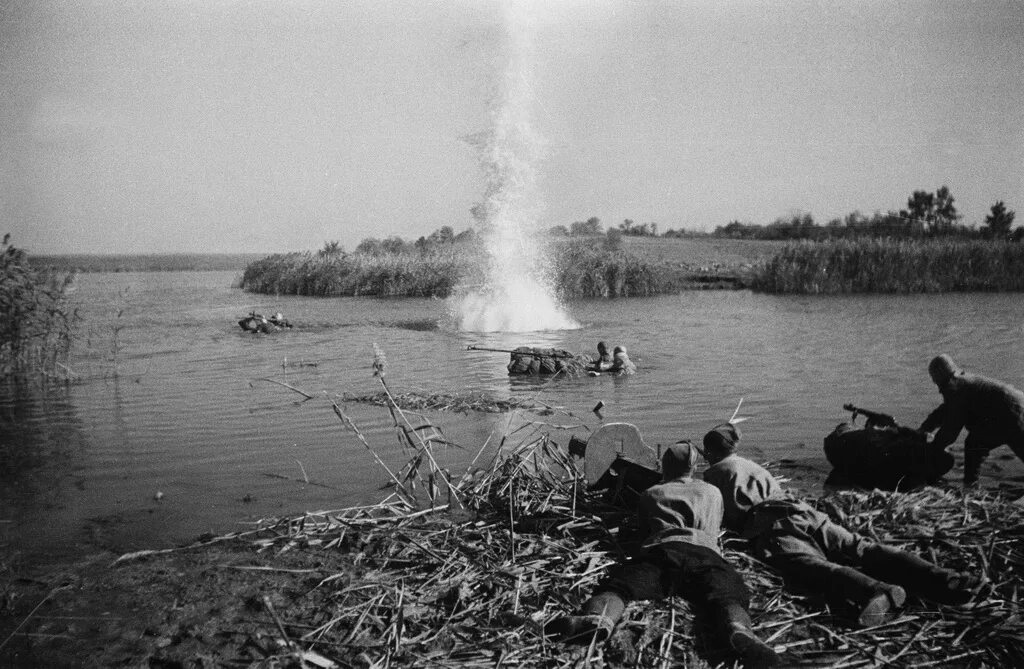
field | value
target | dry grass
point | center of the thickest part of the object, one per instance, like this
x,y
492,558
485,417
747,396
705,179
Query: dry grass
x,y
463,570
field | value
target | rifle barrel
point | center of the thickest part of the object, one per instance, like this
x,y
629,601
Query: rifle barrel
x,y
505,350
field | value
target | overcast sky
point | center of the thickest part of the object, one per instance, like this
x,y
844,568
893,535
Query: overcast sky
x,y
276,126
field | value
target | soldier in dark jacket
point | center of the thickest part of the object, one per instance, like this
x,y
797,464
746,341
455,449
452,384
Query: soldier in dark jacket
x,y
991,411
681,519
812,551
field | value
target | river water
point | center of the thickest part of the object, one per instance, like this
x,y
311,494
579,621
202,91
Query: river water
x,y
175,430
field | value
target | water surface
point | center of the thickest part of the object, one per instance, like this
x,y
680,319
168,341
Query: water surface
x,y
175,403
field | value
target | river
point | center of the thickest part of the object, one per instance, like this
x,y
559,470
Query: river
x,y
174,429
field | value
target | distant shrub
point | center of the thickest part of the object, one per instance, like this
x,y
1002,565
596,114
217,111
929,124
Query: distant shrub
x,y
35,322
893,266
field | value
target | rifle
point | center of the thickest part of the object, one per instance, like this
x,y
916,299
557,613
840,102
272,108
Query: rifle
x,y
874,418
553,354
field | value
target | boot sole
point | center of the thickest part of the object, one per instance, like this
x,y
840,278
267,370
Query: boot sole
x,y
883,607
753,653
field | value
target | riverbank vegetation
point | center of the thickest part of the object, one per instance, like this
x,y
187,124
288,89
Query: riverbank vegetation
x,y
35,320
923,248
463,569
590,267
893,266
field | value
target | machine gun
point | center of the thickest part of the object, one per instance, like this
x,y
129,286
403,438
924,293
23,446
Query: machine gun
x,y
524,351
883,454
874,418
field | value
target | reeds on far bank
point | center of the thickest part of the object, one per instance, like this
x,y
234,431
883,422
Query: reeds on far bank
x,y
391,275
893,266
577,269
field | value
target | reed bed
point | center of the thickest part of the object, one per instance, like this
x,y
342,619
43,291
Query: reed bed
x,y
893,266
391,275
578,270
35,320
463,570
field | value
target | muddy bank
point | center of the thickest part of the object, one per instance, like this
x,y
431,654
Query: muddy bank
x,y
395,586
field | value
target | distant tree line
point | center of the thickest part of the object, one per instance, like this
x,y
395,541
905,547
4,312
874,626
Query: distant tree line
x,y
394,245
927,215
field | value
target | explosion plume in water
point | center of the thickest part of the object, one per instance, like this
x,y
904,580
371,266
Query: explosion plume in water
x,y
516,295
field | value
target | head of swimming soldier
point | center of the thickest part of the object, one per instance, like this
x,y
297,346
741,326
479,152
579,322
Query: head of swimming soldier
x,y
942,369
722,441
678,460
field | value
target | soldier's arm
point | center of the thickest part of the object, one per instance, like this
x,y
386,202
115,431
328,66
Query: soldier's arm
x,y
934,419
953,419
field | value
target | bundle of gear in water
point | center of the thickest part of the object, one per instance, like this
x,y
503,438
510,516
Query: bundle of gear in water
x,y
527,361
536,361
255,322
882,454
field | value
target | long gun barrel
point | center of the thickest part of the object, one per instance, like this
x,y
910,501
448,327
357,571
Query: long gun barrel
x,y
874,418
553,354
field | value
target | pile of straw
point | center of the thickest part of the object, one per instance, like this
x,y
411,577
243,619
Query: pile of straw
x,y
462,571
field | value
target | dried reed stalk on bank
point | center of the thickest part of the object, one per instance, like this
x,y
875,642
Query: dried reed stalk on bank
x,y
466,574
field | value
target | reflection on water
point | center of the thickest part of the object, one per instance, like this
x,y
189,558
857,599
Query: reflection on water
x,y
179,408
40,438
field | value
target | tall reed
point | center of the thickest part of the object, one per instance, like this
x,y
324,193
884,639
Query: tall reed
x,y
585,270
35,320
325,275
579,269
893,266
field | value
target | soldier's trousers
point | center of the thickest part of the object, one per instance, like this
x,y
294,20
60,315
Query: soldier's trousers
x,y
813,552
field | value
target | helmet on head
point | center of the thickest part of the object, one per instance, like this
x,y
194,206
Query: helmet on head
x,y
942,369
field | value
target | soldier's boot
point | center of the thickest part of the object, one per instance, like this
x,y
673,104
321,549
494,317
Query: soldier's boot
x,y
883,606
921,577
877,602
594,623
752,652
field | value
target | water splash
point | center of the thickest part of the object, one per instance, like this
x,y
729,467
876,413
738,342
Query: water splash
x,y
516,294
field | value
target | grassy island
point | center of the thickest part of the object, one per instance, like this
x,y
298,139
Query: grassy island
x,y
579,269
654,266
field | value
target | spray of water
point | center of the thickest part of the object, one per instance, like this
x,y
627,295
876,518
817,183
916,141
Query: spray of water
x,y
516,294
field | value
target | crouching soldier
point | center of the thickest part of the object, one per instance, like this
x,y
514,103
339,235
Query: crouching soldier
x,y
991,411
680,519
812,551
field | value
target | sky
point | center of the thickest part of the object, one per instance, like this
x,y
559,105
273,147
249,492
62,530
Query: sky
x,y
263,127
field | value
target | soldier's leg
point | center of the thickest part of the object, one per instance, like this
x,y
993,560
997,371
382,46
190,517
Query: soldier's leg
x,y
975,452
825,560
705,578
1017,446
642,578
919,576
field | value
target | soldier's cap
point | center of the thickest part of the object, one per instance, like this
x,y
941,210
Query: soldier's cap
x,y
723,439
679,459
942,369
